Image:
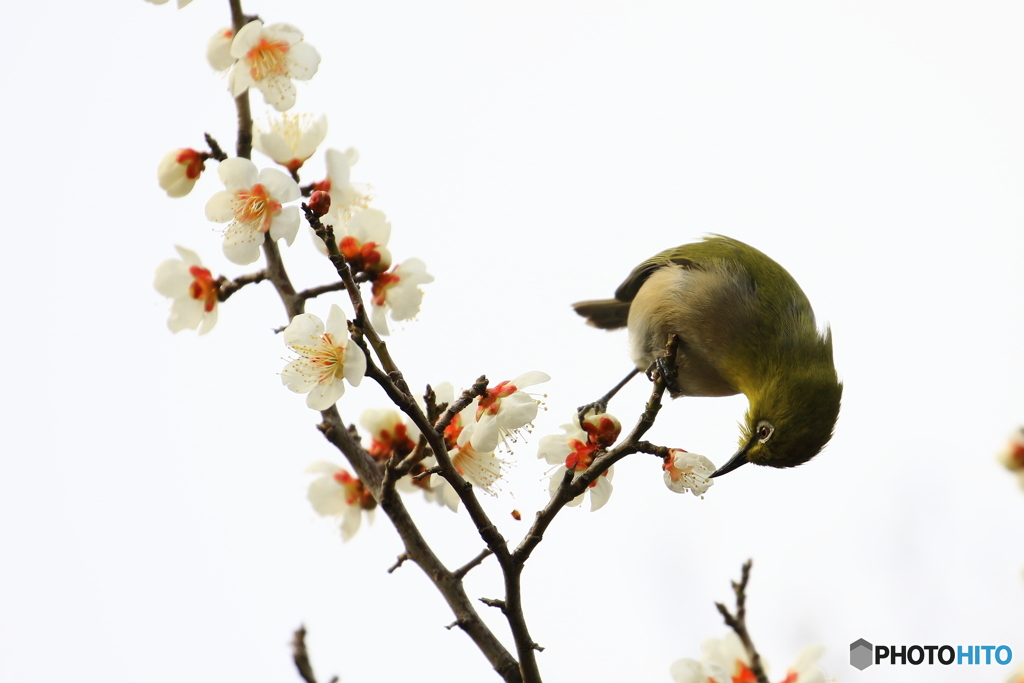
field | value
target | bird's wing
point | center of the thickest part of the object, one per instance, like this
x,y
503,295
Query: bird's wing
x,y
628,289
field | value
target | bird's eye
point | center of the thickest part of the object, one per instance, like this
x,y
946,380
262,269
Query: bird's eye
x,y
765,430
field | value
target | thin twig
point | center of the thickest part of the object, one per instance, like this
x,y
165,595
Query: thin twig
x,y
215,151
738,623
491,602
398,563
301,656
466,616
225,287
314,292
570,487
464,569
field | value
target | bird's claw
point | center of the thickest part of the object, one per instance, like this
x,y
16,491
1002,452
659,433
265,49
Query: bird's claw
x,y
661,368
597,407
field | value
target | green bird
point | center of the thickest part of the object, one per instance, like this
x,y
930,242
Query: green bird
x,y
744,326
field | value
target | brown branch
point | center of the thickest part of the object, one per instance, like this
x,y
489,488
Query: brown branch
x,y
314,292
215,151
570,488
465,569
398,563
326,233
301,656
225,287
491,602
449,585
738,623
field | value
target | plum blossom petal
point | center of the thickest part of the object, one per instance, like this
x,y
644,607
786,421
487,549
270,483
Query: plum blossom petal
x,y
252,203
346,198
290,139
576,449
192,289
362,241
218,49
179,170
397,293
268,58
688,472
505,410
692,671
181,3
338,494
806,669
390,434
481,469
326,357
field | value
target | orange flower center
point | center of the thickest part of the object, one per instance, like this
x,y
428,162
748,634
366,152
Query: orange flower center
x,y
360,257
255,207
267,58
380,286
203,287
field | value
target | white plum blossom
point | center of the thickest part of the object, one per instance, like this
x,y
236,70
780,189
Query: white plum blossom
x,y
362,241
326,357
806,669
338,494
505,409
179,170
252,203
218,49
269,57
397,294
290,139
576,450
346,198
692,671
726,659
480,468
389,433
181,3
729,654
688,472
192,289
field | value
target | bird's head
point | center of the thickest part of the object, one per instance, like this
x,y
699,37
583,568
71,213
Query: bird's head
x,y
790,419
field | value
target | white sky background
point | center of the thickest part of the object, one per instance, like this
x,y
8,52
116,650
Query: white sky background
x,y
152,493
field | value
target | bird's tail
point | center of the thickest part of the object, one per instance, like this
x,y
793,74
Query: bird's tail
x,y
606,314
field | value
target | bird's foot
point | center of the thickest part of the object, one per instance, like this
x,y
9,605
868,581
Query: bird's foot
x,y
597,407
661,368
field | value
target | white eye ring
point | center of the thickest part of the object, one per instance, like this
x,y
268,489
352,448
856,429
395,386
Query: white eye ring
x,y
765,429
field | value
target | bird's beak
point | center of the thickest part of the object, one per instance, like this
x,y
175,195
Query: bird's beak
x,y
735,461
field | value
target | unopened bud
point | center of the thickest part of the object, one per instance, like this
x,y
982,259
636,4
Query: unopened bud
x,y
602,429
319,203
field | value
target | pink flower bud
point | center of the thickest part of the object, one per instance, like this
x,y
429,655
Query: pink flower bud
x,y
319,203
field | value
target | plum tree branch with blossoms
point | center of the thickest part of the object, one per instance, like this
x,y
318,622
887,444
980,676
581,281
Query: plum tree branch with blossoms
x,y
444,447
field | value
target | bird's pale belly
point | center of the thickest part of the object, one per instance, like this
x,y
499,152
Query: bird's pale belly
x,y
708,310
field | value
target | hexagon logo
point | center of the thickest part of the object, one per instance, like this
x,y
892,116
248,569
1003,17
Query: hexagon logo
x,y
861,652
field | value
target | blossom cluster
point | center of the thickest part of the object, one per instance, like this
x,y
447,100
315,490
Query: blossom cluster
x,y
260,204
725,660
471,438
576,449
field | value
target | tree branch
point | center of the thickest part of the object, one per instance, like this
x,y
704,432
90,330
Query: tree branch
x,y
225,287
738,623
449,585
